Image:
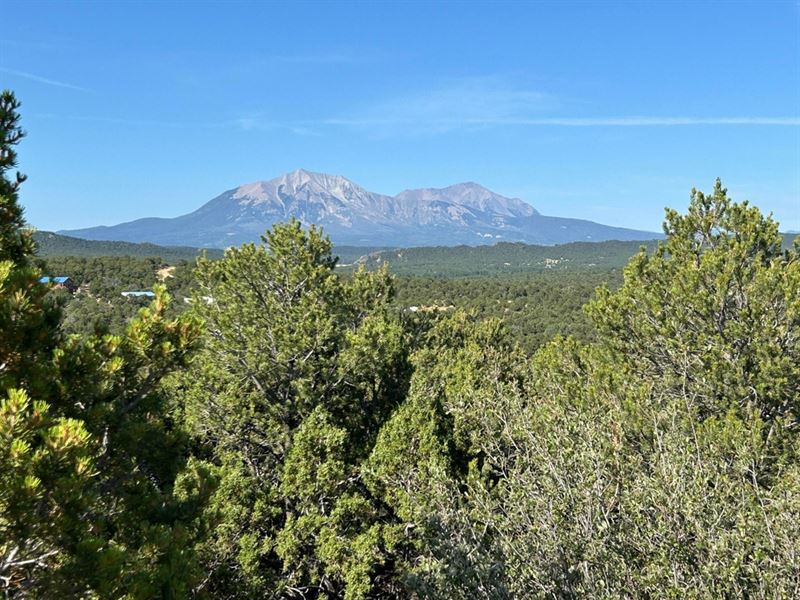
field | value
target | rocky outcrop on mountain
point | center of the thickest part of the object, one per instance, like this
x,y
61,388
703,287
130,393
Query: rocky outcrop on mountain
x,y
466,213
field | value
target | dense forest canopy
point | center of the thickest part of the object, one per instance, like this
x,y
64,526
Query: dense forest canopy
x,y
54,244
534,307
293,430
506,259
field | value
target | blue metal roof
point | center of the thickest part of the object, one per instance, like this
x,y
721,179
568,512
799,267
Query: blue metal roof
x,y
48,279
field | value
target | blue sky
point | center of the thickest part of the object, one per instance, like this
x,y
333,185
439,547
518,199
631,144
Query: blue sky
x,y
602,111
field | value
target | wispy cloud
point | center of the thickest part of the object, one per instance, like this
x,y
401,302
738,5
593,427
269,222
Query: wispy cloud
x,y
124,121
28,44
257,122
44,80
463,105
272,64
243,123
641,121
443,124
473,102
492,102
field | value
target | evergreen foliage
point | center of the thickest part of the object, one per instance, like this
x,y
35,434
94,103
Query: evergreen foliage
x,y
297,431
534,308
506,259
714,311
661,461
55,244
96,499
17,244
299,370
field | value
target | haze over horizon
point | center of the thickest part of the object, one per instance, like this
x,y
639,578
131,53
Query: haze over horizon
x,y
139,111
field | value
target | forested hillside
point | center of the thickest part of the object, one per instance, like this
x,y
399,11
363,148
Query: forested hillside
x,y
98,303
534,307
297,431
506,258
54,244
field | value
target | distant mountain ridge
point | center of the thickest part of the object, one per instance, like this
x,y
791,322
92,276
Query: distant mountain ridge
x,y
54,244
465,213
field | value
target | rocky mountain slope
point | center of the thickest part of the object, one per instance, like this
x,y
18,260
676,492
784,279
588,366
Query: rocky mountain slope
x,y
465,213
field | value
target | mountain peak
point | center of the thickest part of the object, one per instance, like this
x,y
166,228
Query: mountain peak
x,y
473,196
321,181
302,175
467,185
461,213
299,180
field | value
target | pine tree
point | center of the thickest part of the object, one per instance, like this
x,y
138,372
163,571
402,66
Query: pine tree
x,y
96,498
16,242
713,313
660,461
45,459
299,370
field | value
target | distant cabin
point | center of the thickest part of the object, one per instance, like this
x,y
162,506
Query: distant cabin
x,y
60,283
139,294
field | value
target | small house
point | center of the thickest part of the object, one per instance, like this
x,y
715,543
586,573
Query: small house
x,y
60,283
139,294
